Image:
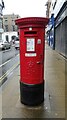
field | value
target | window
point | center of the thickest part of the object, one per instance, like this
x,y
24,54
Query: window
x,y
0,23
54,4
0,37
13,37
13,28
6,28
6,20
7,38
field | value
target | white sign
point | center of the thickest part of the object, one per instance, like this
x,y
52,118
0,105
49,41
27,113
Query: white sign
x,y
30,54
30,44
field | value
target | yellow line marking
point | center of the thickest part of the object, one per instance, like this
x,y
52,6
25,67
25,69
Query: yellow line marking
x,y
5,63
8,61
8,72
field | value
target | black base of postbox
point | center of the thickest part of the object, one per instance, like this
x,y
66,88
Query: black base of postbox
x,y
31,95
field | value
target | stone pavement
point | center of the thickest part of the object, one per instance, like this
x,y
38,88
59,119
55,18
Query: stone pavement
x,y
54,103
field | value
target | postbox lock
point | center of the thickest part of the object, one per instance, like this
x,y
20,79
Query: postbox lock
x,y
38,62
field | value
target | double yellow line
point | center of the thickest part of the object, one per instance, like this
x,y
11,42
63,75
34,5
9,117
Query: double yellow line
x,y
8,72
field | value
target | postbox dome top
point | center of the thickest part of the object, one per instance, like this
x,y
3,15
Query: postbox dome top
x,y
32,21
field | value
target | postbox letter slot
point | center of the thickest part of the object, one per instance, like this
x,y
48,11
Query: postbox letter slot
x,y
30,32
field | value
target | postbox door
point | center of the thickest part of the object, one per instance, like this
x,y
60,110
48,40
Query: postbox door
x,y
32,60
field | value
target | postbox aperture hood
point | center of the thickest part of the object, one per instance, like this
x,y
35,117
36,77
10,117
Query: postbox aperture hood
x,y
37,21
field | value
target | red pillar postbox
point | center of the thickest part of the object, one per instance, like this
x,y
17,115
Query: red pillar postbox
x,y
32,43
